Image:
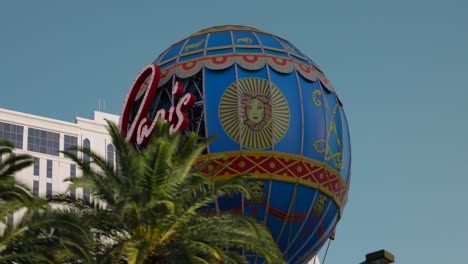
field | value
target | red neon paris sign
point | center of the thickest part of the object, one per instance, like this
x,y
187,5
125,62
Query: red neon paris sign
x,y
142,127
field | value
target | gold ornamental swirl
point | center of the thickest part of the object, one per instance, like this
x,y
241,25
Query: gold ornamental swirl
x,y
254,113
316,93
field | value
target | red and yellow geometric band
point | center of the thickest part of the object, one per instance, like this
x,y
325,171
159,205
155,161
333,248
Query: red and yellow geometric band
x,y
278,166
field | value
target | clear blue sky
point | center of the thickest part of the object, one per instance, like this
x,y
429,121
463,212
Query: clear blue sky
x,y
399,66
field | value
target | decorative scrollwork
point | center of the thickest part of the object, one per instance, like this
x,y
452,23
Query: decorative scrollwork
x,y
317,146
322,146
320,205
316,93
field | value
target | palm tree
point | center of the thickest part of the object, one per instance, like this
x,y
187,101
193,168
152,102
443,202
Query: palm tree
x,y
41,234
154,206
13,195
46,236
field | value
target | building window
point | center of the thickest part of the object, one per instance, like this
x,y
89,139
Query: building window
x,y
36,166
86,159
36,188
72,174
86,145
72,170
10,220
49,190
110,155
70,142
42,141
12,133
86,196
49,168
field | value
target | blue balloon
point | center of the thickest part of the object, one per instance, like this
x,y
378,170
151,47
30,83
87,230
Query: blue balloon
x,y
277,118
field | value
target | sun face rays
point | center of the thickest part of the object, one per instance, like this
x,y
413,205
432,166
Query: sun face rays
x,y
254,113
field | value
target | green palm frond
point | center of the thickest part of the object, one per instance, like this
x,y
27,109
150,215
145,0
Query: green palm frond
x,y
154,205
49,235
14,195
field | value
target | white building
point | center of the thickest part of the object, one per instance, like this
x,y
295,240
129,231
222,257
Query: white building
x,y
44,138
314,260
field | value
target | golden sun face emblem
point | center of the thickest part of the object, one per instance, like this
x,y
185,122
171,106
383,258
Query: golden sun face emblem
x,y
254,113
255,110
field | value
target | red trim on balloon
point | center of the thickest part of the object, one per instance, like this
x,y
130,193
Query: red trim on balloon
x,y
280,61
281,167
250,58
189,65
219,60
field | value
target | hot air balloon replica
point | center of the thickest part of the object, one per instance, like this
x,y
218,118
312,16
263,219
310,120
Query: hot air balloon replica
x,y
276,116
